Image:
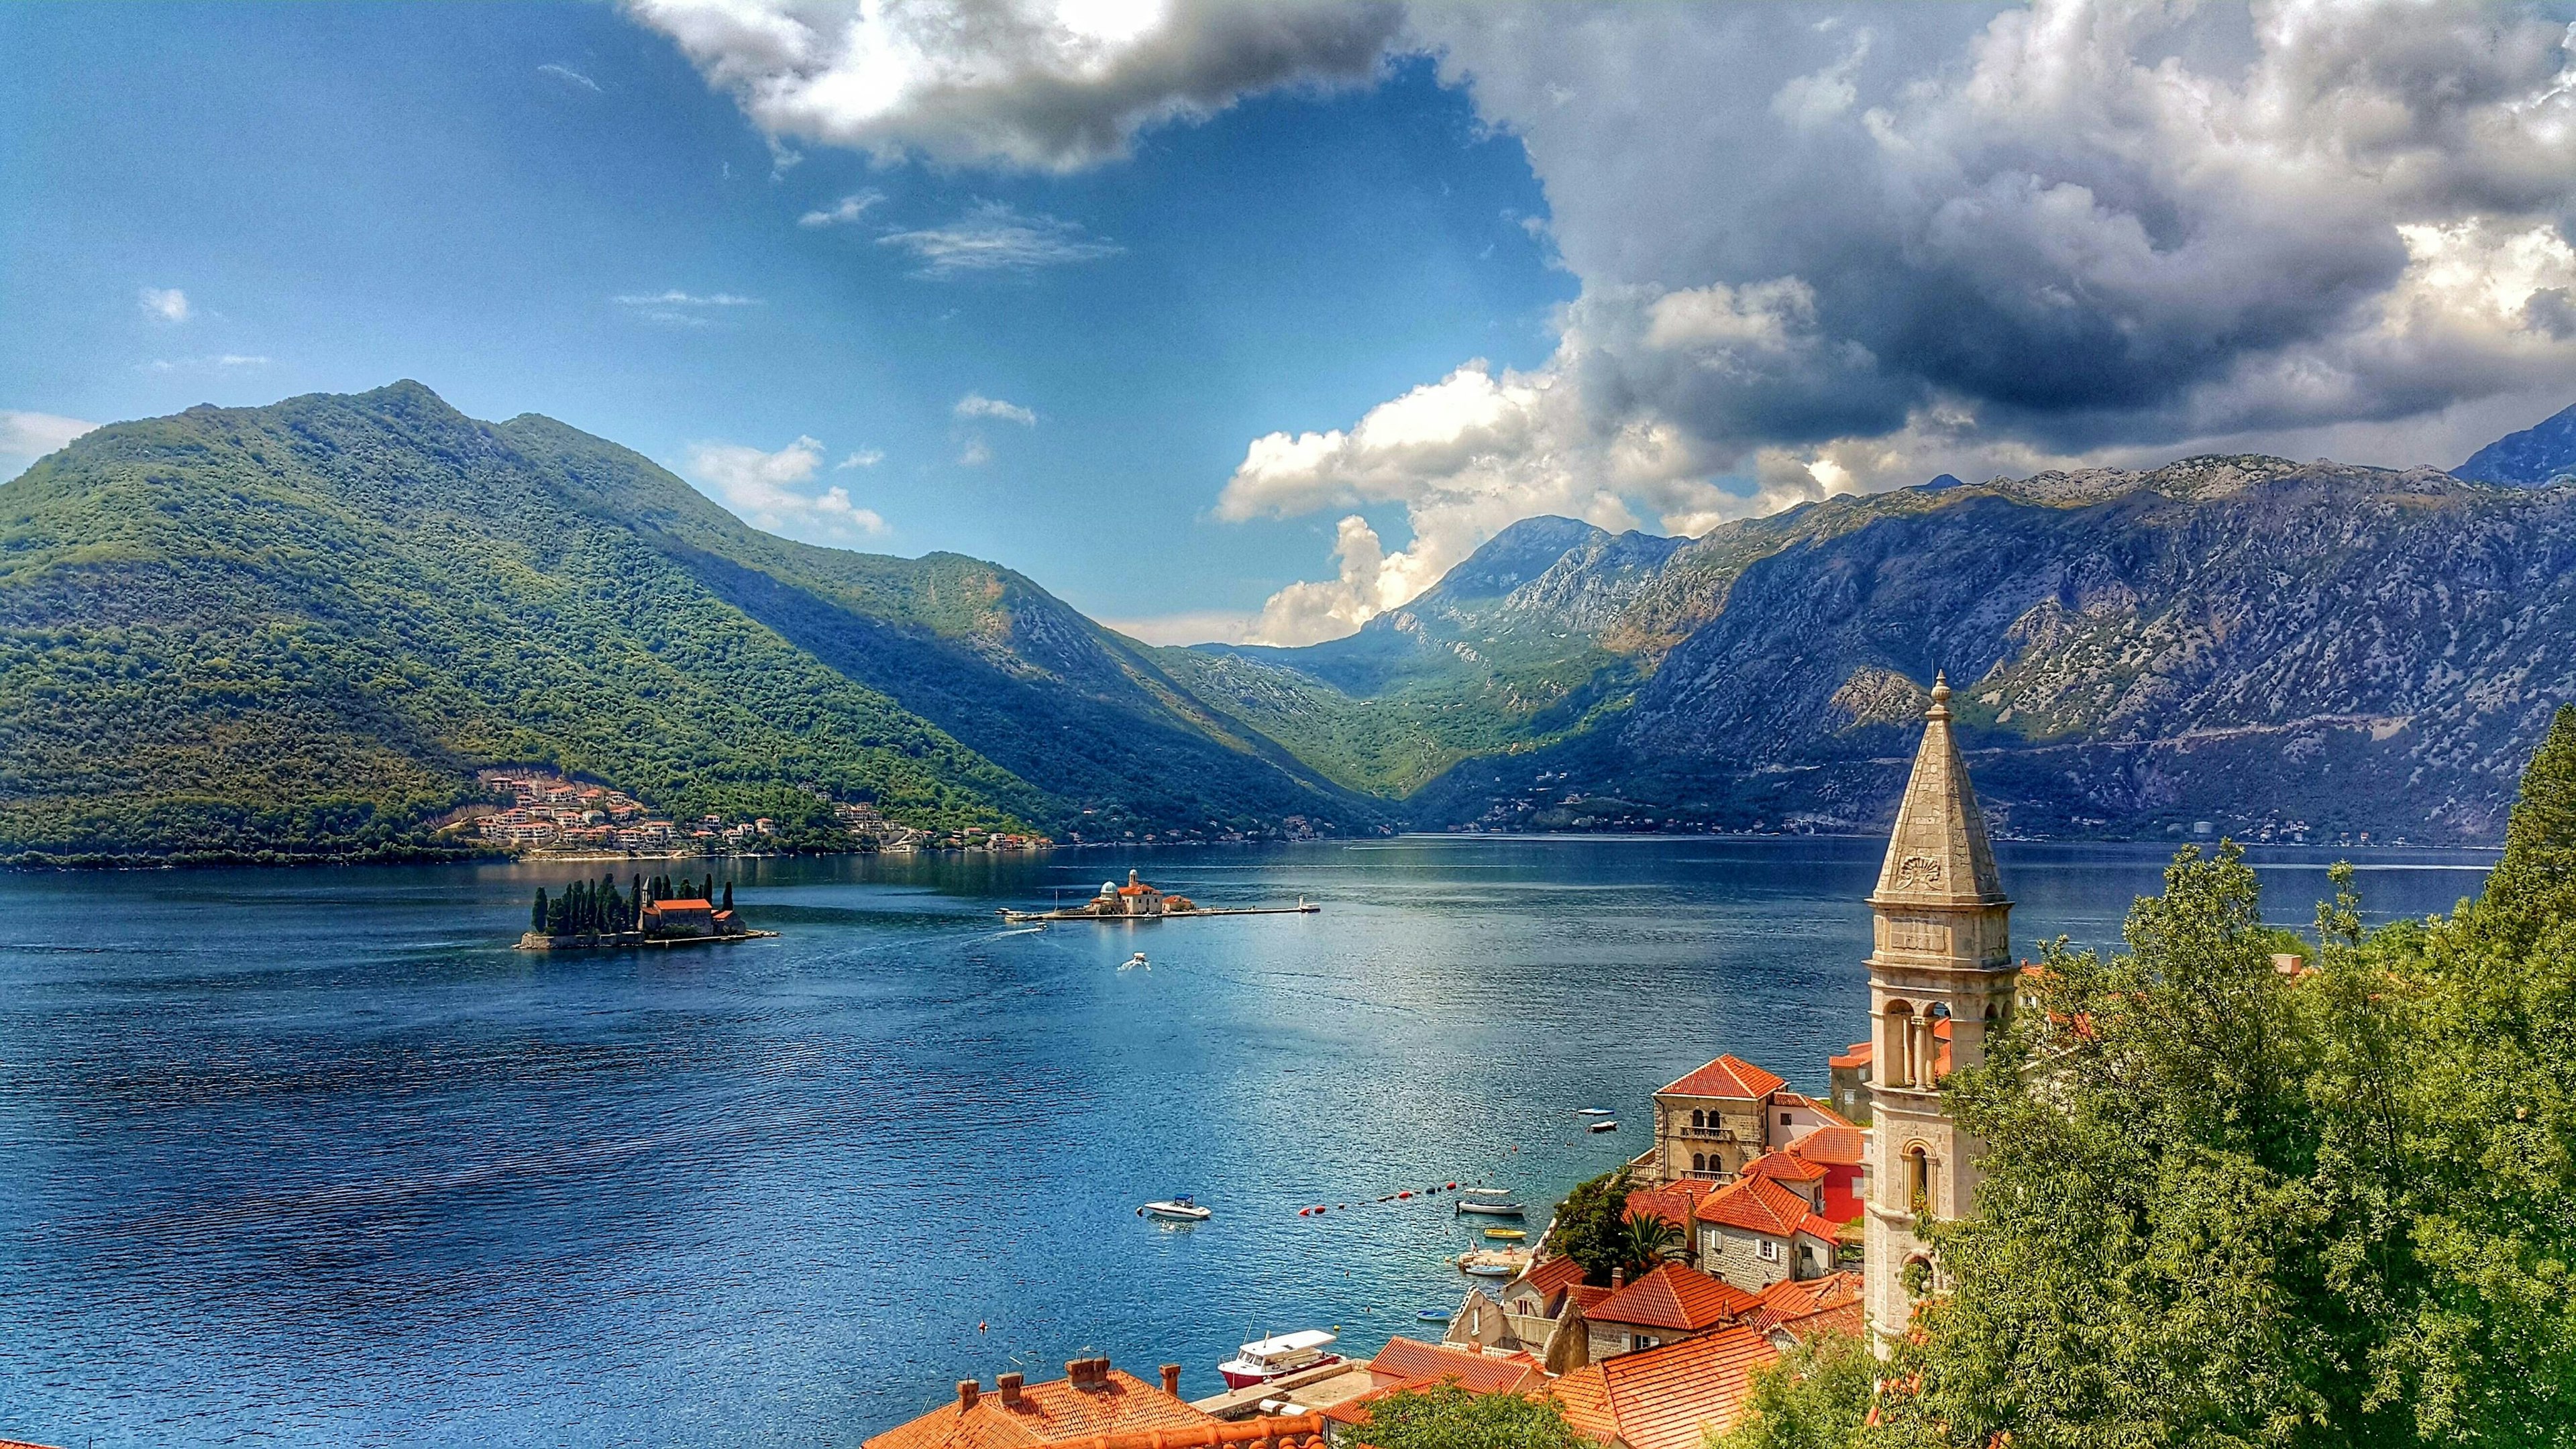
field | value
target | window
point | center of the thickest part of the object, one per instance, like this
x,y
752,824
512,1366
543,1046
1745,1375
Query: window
x,y
1637,1341
1770,1251
1698,1118
1784,1119
1699,1162
1918,1180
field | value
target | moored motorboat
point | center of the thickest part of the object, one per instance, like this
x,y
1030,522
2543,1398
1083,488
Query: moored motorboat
x,y
1179,1208
1591,1111
1493,1262
1491,1207
1505,1235
1605,1125
1264,1359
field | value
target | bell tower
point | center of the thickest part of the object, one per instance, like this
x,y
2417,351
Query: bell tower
x,y
1940,977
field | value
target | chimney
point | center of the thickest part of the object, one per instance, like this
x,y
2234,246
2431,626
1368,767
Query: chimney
x,y
1618,1279
1172,1379
966,1392
1009,1384
1077,1371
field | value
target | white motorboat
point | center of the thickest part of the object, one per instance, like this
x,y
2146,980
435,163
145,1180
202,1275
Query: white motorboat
x,y
1491,1207
1605,1125
1179,1209
1264,1359
1591,1111
1484,1192
1134,961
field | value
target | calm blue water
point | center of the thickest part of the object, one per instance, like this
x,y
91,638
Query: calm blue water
x,y
311,1157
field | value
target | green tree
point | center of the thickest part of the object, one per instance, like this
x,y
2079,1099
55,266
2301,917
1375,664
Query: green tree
x,y
1446,1416
1591,1226
537,912
1817,1396
728,899
1646,1241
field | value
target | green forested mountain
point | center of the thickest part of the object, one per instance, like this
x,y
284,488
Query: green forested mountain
x,y
301,628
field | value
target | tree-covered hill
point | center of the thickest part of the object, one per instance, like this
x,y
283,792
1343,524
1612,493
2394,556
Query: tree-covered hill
x,y
299,629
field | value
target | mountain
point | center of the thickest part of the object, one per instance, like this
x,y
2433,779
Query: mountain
x,y
2536,455
2278,648
300,629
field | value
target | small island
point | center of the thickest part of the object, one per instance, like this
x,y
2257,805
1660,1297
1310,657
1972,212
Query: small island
x,y
658,912
1137,901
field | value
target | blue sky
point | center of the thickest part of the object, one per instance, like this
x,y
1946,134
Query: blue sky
x,y
1248,323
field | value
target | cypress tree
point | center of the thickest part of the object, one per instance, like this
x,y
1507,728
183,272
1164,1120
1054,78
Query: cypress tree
x,y
537,913
2536,879
728,901
556,916
635,907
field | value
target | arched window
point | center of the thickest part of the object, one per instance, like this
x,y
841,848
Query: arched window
x,y
1918,1178
1698,1118
1699,1162
1930,1055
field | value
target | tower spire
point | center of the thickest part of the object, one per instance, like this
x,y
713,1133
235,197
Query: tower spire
x,y
1938,854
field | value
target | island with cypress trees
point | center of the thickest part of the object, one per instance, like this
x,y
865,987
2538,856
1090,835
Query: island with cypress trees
x,y
656,912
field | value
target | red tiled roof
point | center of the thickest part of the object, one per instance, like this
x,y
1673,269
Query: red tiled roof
x,y
1668,1203
1857,1056
1669,1397
1551,1276
1792,1299
1836,1146
679,905
1731,1077
1783,1167
1048,1413
1675,1297
1410,1361
1587,1296
1296,1431
1759,1205
20,1444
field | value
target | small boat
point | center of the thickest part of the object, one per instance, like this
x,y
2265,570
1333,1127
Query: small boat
x,y
1605,1125
1177,1208
1433,1315
1505,1235
1493,1262
1491,1207
1591,1111
1134,961
1485,1192
1264,1359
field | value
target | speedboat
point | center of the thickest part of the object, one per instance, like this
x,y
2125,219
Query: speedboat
x,y
1505,1235
1136,960
1178,1208
1264,1359
1491,1207
1591,1111
1433,1315
1605,1125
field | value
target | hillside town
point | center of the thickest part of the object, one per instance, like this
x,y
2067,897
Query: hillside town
x,y
1785,1218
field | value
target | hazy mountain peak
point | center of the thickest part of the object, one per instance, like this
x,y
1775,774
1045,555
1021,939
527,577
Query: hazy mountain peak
x,y
2539,453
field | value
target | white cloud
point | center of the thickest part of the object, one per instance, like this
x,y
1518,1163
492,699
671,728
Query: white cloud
x,y
991,237
676,298
976,405
863,458
844,212
975,454
32,435
216,363
1202,626
1819,260
569,76
1050,85
763,488
167,303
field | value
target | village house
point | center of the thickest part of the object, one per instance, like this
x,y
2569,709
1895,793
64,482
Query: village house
x,y
1671,1303
1758,1231
1093,1406
1673,1396
1710,1123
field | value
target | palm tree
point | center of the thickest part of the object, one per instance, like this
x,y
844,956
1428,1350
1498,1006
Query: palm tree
x,y
1645,1240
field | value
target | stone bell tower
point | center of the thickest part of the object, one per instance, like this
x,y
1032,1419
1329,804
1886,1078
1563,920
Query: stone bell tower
x,y
1940,978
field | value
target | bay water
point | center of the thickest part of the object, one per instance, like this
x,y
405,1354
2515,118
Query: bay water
x,y
313,1156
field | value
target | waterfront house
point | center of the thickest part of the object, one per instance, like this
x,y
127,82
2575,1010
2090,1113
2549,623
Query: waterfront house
x,y
1711,1122
1673,1396
1794,1311
1091,1404
1671,1303
1546,1305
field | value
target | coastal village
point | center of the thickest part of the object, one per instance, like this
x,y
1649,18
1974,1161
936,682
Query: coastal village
x,y
1788,1218
554,816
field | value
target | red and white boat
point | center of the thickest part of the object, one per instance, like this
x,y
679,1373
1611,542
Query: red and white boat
x,y
1264,1359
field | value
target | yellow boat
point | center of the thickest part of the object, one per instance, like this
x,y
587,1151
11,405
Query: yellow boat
x,y
1505,1235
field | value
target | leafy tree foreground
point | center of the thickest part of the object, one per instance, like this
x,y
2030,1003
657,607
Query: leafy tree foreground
x,y
2225,1206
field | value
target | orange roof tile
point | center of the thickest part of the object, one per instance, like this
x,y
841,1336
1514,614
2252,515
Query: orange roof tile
x,y
1676,1297
1844,1318
1731,1077
1783,1167
1795,1298
1834,1146
1550,1276
1047,1413
1668,1397
1587,1296
1857,1055
1670,1204
1295,1431
1477,1373
1759,1205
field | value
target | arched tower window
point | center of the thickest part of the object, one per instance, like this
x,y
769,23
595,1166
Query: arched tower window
x,y
1698,1118
1897,1051
1930,1055
1918,1178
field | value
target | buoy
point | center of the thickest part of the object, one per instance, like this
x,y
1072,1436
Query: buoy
x,y
1453,1187
1404,1194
